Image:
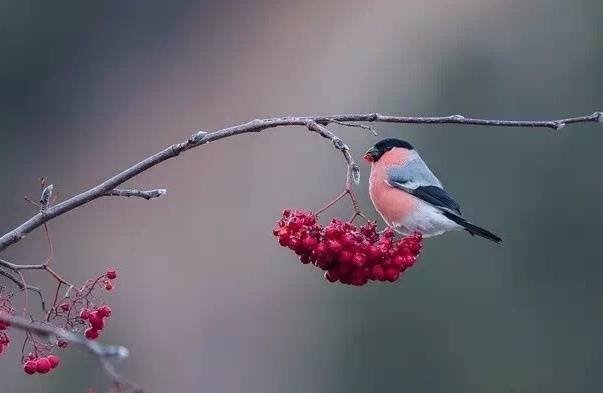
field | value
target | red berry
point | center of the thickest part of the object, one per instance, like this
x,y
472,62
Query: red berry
x,y
294,243
310,220
295,225
30,367
91,333
359,259
305,259
397,261
409,260
84,313
345,256
387,261
284,240
344,268
111,274
347,239
104,311
108,285
358,278
96,321
388,233
373,252
54,361
392,274
324,262
378,273
331,232
42,365
332,275
310,242
320,249
334,246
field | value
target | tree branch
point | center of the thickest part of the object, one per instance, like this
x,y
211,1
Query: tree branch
x,y
104,354
313,123
149,194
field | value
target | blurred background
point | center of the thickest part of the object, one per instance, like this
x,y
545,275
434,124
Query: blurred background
x,y
206,301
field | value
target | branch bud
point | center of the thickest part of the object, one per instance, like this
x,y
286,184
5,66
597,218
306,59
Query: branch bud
x,y
46,196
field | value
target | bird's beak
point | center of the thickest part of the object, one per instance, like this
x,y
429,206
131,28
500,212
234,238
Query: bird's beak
x,y
371,154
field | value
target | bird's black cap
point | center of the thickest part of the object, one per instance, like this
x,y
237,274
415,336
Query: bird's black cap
x,y
374,153
390,143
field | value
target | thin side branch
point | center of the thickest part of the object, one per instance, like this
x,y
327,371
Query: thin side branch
x,y
24,286
313,123
363,126
42,266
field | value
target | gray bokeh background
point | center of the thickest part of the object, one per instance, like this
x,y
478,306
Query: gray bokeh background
x,y
205,300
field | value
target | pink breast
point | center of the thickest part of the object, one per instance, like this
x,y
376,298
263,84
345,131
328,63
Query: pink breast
x,y
394,205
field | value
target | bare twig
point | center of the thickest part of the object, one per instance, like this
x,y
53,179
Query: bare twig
x,y
42,266
363,126
104,354
148,194
313,123
22,286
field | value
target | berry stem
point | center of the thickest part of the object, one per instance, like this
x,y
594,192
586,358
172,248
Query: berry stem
x,y
334,201
349,190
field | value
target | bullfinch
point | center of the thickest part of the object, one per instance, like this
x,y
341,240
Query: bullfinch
x,y
409,197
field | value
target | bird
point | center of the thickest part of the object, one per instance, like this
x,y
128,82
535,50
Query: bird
x,y
409,197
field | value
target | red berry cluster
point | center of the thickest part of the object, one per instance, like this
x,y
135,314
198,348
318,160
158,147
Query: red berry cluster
x,y
96,319
40,365
349,254
78,310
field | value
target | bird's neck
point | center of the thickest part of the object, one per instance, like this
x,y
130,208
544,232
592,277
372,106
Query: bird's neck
x,y
396,156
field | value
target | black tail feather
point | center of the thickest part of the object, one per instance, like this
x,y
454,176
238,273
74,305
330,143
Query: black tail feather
x,y
472,229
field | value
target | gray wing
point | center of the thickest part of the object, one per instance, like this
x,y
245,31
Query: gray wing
x,y
437,197
416,179
413,174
